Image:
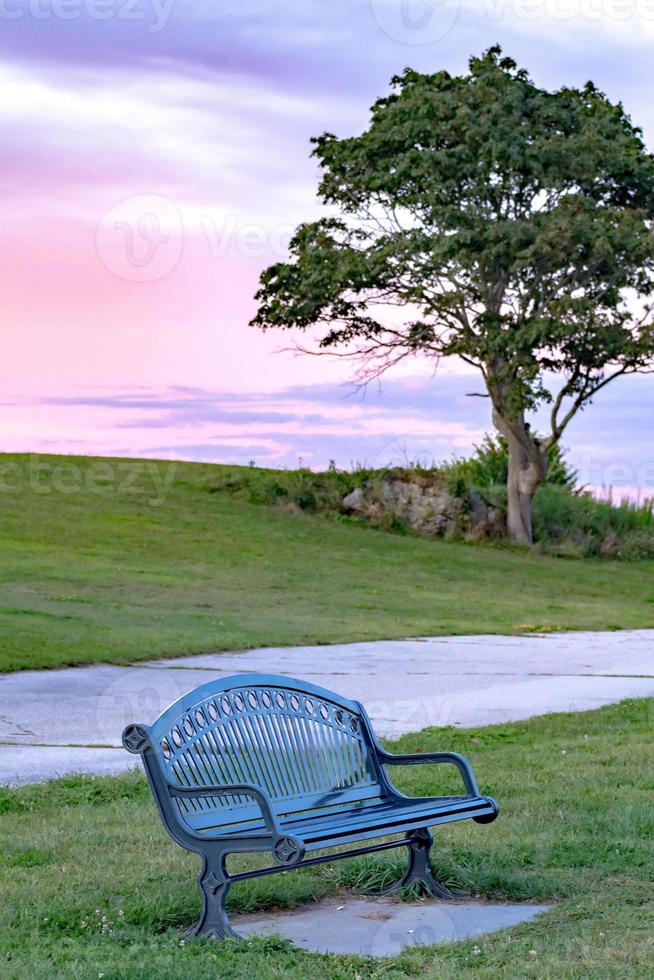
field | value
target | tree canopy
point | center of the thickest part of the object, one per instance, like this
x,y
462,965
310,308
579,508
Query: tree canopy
x,y
484,217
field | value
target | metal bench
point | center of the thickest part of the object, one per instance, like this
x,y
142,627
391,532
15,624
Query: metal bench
x,y
273,764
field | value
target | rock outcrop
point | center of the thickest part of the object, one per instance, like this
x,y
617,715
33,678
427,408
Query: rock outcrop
x,y
426,507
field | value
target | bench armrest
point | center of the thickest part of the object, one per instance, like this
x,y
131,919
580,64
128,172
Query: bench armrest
x,y
287,849
233,789
417,758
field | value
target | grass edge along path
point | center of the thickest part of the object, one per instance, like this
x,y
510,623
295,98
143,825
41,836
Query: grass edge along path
x,y
92,886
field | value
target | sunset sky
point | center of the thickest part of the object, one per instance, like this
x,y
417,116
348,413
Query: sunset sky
x,y
154,159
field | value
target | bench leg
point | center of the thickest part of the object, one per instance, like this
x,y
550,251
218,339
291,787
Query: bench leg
x,y
419,870
214,884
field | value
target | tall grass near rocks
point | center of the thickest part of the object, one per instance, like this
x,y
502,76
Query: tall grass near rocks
x,y
578,524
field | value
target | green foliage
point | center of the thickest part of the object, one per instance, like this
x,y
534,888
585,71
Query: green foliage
x,y
301,488
488,467
91,885
482,188
579,525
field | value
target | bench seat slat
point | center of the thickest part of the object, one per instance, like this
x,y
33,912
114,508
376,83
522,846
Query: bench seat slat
x,y
246,814
392,817
238,810
395,820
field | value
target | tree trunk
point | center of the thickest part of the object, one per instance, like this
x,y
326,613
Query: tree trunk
x,y
520,496
527,470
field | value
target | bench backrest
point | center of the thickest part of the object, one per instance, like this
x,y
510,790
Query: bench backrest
x,y
307,747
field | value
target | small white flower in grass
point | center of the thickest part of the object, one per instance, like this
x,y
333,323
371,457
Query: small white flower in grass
x,y
563,752
476,951
182,942
533,952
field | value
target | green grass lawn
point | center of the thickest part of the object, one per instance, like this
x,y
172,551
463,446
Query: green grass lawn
x,y
99,560
92,887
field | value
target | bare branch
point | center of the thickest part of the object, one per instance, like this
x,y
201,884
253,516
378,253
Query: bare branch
x,y
584,396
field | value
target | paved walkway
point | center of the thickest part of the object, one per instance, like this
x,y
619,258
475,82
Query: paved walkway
x,y
62,721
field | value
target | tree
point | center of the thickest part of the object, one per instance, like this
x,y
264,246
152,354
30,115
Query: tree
x,y
483,217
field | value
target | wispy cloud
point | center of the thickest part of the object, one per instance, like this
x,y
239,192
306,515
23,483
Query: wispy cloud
x,y
424,419
210,107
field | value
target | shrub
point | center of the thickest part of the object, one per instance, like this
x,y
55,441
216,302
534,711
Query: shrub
x,y
625,530
488,467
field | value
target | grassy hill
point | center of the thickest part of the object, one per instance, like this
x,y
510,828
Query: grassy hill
x,y
120,560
